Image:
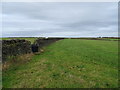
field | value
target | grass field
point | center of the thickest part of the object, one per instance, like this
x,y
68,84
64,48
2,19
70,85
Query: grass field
x,y
68,63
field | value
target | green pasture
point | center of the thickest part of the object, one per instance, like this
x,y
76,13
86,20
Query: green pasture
x,y
68,63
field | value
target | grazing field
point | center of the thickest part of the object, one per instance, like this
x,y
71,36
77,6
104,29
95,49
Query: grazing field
x,y
68,63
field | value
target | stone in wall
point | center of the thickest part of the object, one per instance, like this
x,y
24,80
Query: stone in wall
x,y
14,48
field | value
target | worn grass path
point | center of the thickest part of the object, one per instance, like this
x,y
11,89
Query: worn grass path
x,y
68,63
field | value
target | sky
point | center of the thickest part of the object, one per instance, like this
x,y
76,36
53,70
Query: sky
x,y
59,19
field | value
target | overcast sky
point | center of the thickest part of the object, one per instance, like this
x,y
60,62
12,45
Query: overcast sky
x,y
69,19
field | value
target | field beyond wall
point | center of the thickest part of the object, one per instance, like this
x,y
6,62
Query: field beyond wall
x,y
68,63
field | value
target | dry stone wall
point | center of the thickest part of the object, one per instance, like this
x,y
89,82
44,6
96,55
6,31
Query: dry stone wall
x,y
14,48
39,43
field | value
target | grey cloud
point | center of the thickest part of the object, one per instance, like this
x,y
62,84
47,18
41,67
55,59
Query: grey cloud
x,y
60,19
